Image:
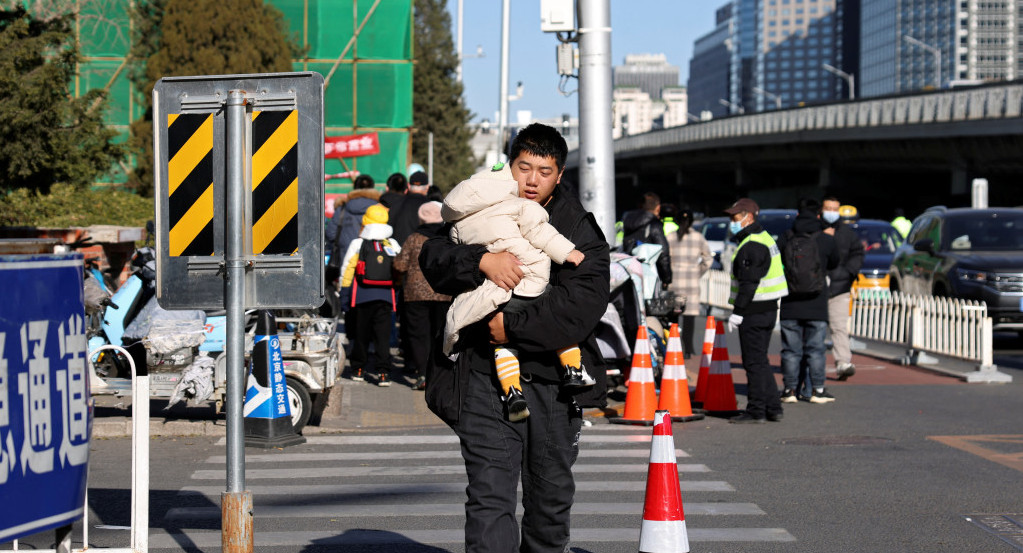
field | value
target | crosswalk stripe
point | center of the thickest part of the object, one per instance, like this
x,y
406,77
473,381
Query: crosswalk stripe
x,y
416,439
348,510
209,540
581,486
445,454
289,473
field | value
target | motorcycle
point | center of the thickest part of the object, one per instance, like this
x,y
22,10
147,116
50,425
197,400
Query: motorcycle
x,y
184,350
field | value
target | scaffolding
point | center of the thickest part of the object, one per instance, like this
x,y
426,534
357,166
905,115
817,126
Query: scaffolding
x,y
369,89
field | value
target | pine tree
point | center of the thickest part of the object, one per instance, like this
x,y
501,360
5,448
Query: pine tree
x,y
48,136
437,104
201,37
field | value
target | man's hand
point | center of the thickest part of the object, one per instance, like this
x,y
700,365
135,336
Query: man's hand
x,y
733,322
503,269
575,257
496,324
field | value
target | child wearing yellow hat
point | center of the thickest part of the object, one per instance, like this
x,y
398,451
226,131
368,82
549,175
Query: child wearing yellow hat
x,y
368,288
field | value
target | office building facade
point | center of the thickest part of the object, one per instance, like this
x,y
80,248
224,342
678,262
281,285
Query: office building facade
x,y
710,69
918,44
648,72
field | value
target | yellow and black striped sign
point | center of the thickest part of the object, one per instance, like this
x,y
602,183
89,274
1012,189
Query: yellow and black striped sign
x,y
274,182
190,184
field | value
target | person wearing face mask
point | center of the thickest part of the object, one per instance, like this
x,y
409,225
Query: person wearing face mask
x,y
850,259
758,282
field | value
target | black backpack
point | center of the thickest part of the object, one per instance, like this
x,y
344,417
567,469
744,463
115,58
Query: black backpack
x,y
802,261
376,260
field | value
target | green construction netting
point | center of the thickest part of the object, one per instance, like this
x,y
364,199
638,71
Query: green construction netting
x,y
372,87
326,26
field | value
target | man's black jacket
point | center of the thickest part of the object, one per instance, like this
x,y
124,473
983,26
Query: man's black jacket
x,y
566,314
750,265
642,226
850,259
809,307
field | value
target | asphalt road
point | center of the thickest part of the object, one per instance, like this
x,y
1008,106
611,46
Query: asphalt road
x,y
904,460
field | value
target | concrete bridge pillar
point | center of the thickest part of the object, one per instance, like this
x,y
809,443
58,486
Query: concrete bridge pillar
x,y
959,184
825,174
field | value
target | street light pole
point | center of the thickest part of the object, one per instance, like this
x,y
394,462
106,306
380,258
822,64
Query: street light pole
x,y
502,118
933,50
850,79
733,107
770,96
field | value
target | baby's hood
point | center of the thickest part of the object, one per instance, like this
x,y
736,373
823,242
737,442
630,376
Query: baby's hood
x,y
480,191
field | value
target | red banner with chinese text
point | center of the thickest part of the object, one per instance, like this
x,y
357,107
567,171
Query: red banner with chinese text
x,y
351,146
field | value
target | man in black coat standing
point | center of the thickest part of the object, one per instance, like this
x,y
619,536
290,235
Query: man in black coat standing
x,y
804,314
539,450
644,226
842,277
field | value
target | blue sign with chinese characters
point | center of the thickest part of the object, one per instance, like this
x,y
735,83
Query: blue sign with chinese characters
x,y
45,406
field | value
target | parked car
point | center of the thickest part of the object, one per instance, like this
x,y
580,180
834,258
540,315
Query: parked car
x,y
880,240
715,231
966,253
777,221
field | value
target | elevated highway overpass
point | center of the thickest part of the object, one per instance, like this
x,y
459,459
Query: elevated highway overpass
x,y
909,151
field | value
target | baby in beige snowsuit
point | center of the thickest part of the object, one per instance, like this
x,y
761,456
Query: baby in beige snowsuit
x,y
486,209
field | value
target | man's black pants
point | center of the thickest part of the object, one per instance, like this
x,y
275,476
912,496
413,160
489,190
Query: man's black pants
x,y
423,322
542,449
761,388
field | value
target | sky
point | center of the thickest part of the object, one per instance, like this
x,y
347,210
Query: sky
x,y
638,27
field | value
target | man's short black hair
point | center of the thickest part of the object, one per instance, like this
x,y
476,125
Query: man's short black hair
x,y
363,181
540,140
809,205
830,199
397,183
650,201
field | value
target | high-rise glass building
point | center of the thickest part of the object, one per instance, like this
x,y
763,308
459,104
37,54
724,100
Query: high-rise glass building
x,y
913,44
710,69
795,39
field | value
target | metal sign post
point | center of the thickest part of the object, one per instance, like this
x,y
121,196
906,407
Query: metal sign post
x,y
239,220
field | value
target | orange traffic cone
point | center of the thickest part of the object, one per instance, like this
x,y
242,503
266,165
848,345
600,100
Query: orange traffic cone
x,y
674,383
664,522
700,395
720,389
641,399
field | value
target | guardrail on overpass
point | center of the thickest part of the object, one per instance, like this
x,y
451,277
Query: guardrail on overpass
x,y
920,326
993,102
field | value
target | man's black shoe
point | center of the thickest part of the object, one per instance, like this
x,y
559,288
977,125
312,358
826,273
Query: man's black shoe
x,y
746,418
775,418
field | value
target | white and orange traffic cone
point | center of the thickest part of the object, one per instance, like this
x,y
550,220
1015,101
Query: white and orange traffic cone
x,y
674,383
664,522
641,399
700,395
720,388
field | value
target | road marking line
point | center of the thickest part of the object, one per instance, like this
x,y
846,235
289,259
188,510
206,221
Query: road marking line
x,y
343,510
970,444
317,490
446,454
433,470
211,540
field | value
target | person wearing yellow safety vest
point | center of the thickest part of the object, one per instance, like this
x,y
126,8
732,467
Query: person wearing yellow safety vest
x,y
758,282
901,223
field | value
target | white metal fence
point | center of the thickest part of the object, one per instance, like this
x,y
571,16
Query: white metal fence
x,y
714,289
950,327
945,326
